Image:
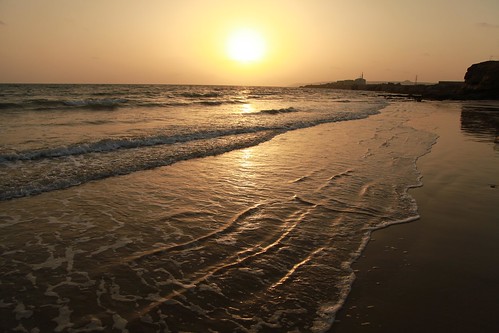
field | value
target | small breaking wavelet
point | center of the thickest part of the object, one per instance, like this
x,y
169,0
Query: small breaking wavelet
x,y
97,104
232,225
266,244
295,267
108,145
211,94
335,178
304,201
279,111
67,104
37,170
37,175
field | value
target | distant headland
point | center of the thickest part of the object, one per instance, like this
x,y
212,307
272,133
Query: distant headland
x,y
481,81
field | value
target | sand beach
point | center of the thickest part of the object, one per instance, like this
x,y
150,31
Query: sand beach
x,y
440,273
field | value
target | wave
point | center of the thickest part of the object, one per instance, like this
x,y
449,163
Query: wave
x,y
10,106
31,177
211,102
107,145
109,104
263,94
41,170
278,111
105,103
160,104
201,95
220,102
55,104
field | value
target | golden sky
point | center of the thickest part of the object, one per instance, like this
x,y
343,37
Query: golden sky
x,y
301,41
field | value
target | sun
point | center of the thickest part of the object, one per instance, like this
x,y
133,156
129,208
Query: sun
x,y
246,46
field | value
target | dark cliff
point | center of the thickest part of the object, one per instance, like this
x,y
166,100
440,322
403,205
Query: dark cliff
x,y
482,81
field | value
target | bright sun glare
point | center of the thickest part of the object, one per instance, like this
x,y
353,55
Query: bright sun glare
x,y
245,46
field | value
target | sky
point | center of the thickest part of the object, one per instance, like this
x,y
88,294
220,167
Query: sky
x,y
186,41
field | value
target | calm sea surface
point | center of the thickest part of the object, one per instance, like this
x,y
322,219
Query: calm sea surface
x,y
156,208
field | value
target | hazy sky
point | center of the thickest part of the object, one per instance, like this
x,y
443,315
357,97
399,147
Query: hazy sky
x,y
184,41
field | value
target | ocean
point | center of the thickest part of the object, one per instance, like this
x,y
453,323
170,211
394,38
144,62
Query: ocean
x,y
163,208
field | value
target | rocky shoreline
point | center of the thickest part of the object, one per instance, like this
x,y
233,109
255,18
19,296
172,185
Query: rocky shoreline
x,y
481,81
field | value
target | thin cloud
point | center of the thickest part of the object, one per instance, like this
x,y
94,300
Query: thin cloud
x,y
2,23
488,25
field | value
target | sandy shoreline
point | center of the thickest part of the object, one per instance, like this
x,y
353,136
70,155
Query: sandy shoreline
x,y
440,273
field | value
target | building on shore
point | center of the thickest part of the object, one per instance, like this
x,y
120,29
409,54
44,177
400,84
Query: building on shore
x,y
357,84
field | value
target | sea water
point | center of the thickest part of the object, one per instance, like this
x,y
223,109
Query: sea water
x,y
157,208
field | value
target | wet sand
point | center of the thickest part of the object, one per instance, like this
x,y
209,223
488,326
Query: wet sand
x,y
440,273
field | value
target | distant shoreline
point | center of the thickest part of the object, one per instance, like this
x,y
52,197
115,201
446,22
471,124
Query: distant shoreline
x,y
439,91
481,81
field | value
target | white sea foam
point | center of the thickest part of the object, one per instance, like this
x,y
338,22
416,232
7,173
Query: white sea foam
x,y
120,323
118,244
21,312
63,320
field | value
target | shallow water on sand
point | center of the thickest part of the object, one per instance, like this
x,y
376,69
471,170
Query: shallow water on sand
x,y
441,268
253,240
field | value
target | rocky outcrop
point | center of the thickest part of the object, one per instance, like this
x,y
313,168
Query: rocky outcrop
x,y
482,81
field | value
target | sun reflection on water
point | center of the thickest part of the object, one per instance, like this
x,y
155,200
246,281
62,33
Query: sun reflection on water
x,y
246,162
247,108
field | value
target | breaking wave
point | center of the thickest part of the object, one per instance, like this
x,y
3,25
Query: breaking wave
x,y
278,111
